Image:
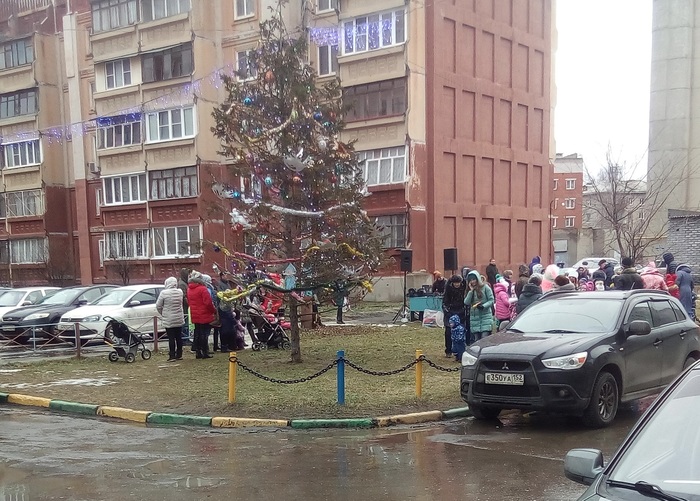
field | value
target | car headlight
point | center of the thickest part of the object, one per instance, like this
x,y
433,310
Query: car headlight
x,y
93,318
568,362
37,316
468,360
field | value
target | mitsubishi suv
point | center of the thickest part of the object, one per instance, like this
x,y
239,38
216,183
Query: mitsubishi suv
x,y
581,353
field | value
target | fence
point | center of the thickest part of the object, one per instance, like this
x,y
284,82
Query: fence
x,y
48,339
339,363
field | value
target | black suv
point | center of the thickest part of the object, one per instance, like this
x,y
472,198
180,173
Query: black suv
x,y
581,353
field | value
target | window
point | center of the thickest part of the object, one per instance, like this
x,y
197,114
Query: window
x,y
101,250
27,250
556,185
640,312
245,70
662,313
641,215
167,64
123,244
111,14
173,183
570,184
384,166
325,5
118,74
378,99
327,59
122,130
244,8
170,124
98,202
570,203
554,221
158,9
16,53
24,203
18,103
569,221
146,296
22,154
125,189
5,252
393,230
374,32
176,241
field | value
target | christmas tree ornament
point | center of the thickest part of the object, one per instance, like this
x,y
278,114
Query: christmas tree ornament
x,y
269,76
248,100
334,179
327,124
236,194
296,179
295,114
217,248
331,115
268,181
318,116
322,144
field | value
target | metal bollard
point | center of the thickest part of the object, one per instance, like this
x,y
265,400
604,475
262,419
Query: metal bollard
x,y
419,374
76,330
232,377
155,334
341,377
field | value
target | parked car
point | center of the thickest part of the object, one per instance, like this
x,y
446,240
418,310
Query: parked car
x,y
25,296
659,459
135,305
42,319
581,353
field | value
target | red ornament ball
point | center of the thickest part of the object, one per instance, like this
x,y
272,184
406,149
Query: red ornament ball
x,y
331,115
334,179
237,227
296,179
269,76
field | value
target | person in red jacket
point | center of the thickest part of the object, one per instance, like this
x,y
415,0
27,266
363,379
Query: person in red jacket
x,y
202,313
670,279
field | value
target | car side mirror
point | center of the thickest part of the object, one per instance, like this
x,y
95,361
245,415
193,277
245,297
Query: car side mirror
x,y
638,328
27,303
82,302
583,465
135,302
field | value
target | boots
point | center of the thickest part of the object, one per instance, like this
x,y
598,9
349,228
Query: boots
x,y
203,347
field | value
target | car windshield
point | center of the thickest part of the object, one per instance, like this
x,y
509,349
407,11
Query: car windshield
x,y
11,298
666,452
66,296
115,297
561,315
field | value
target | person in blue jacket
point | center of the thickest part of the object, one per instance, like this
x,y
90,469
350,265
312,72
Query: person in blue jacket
x,y
458,335
479,302
684,281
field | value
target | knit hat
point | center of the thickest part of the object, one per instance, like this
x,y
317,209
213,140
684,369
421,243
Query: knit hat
x,y
627,262
560,281
523,269
454,319
667,257
195,276
206,278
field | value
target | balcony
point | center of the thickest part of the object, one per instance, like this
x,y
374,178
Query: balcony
x,y
17,78
365,67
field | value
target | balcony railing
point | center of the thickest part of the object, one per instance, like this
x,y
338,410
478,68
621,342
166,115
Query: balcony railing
x,y
14,7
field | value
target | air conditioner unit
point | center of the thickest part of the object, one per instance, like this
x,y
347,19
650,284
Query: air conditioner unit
x,y
93,168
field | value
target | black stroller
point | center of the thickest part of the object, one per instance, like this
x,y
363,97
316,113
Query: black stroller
x,y
270,333
131,342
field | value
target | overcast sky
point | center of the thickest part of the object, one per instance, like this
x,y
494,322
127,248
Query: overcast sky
x,y
602,75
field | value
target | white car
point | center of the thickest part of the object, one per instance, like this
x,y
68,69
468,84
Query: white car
x,y
135,305
26,296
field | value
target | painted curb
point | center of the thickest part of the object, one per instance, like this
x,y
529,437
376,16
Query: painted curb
x,y
305,424
15,398
456,413
162,418
229,422
233,422
413,418
121,413
77,408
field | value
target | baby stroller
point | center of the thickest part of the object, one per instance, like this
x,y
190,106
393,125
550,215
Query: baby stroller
x,y
270,333
132,342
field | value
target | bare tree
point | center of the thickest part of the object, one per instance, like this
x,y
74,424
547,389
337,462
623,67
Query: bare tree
x,y
59,266
122,265
629,210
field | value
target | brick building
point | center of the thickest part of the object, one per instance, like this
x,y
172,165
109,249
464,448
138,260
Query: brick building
x,y
451,113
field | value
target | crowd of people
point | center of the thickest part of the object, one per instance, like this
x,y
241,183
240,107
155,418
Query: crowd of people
x,y
191,310
475,305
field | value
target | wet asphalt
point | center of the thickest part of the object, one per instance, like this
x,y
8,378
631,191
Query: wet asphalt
x,y
52,456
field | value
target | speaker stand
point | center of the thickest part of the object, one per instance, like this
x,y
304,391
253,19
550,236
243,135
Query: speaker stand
x,y
403,312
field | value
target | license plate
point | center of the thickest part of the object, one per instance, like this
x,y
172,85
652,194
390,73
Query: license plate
x,y
501,378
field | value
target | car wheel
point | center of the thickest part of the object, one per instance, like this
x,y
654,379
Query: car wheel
x,y
688,362
602,408
484,413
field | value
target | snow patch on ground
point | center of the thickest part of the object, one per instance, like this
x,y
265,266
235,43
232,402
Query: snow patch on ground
x,y
10,371
105,381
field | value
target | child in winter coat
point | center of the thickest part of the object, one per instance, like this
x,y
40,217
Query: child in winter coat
x,y
459,337
502,302
479,302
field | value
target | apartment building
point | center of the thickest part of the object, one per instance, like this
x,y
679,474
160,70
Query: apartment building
x,y
450,113
566,207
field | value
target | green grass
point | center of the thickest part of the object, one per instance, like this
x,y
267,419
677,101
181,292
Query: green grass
x,y
200,387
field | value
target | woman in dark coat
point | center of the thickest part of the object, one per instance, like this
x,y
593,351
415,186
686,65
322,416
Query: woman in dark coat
x,y
531,293
453,304
684,281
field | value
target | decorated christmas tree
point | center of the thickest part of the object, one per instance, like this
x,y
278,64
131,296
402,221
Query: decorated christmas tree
x,y
303,187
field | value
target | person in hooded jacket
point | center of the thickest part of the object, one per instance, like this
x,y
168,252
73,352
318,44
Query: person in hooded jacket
x,y
459,337
523,277
202,311
628,279
531,293
182,285
453,304
652,278
479,302
684,281
535,260
502,300
609,270
169,306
